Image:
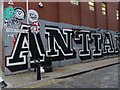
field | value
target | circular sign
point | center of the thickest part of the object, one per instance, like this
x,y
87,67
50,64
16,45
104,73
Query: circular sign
x,y
33,15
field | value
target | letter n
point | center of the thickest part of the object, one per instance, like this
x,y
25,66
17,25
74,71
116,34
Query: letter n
x,y
58,42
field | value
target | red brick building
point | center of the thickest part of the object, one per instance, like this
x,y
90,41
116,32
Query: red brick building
x,y
64,31
80,14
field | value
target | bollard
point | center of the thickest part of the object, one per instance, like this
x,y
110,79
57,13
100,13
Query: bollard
x,y
35,65
38,71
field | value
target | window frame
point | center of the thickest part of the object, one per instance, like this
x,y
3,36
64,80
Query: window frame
x,y
117,14
75,2
91,4
104,8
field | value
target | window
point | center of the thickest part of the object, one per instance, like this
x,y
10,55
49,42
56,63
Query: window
x,y
104,8
75,2
117,14
91,4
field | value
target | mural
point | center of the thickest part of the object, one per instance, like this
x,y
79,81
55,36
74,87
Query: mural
x,y
60,44
108,43
84,39
8,15
19,15
33,15
35,27
97,40
13,16
50,41
19,55
117,45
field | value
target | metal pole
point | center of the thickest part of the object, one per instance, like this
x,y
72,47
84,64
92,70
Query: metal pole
x,y
119,25
35,65
119,16
27,10
28,58
2,32
38,71
2,46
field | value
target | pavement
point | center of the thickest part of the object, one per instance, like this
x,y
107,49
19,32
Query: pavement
x,y
27,79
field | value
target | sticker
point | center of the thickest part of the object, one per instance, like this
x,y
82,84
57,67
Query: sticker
x,y
19,13
7,23
14,41
35,27
33,15
10,2
9,13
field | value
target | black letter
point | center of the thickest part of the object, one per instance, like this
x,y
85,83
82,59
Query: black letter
x,y
97,48
57,43
108,43
84,39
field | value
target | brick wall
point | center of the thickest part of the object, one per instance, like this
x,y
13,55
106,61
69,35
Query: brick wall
x,y
77,15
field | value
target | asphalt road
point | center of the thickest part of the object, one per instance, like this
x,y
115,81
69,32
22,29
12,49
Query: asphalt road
x,y
101,78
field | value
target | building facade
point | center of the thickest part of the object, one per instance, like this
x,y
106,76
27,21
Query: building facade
x,y
58,34
80,14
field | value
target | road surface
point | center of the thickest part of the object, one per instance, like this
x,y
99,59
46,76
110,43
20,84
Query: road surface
x,y
101,78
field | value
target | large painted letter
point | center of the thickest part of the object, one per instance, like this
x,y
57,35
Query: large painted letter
x,y
18,60
19,54
36,47
84,39
117,46
58,42
97,42
108,46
